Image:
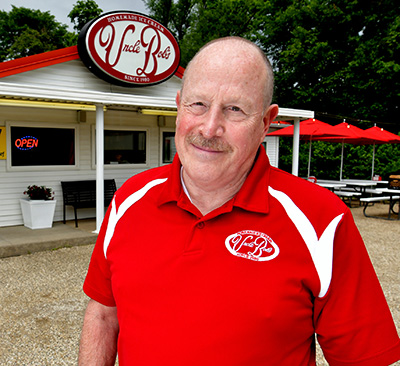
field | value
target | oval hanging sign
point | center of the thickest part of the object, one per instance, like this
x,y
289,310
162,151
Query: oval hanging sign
x,y
129,49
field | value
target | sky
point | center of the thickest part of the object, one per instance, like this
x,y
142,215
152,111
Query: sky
x,y
61,8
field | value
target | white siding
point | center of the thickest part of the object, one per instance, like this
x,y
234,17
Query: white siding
x,y
74,78
71,80
13,183
273,149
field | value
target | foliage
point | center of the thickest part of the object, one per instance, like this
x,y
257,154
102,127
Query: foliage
x,y
337,57
35,192
25,32
161,10
326,159
82,12
195,22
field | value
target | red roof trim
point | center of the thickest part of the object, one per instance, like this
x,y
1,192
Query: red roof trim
x,y
34,62
179,73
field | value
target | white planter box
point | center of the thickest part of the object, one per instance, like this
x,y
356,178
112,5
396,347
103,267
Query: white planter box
x,y
38,214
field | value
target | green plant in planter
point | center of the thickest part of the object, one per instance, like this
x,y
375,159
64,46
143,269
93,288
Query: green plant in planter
x,y
35,192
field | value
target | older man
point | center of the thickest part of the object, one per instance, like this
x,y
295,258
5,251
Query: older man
x,y
219,259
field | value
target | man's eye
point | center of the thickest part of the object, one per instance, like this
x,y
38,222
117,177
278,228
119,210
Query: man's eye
x,y
235,109
197,107
235,114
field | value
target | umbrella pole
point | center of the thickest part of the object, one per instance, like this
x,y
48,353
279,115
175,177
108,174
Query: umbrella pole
x,y
309,160
373,162
341,162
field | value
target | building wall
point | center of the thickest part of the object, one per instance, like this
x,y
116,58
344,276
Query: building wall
x,y
73,77
13,181
272,149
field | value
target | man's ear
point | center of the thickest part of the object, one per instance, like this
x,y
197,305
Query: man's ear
x,y
270,115
178,104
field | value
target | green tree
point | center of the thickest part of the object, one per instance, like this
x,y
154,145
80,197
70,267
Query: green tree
x,y
25,32
161,10
83,12
326,157
336,57
195,22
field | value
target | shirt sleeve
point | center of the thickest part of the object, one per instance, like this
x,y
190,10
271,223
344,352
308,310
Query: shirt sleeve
x,y
97,284
353,322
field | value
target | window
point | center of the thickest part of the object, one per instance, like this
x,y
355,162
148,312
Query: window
x,y
168,147
124,147
42,146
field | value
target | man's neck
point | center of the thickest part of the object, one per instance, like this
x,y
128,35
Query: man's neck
x,y
211,195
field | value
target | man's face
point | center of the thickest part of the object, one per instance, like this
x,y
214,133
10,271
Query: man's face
x,y
221,119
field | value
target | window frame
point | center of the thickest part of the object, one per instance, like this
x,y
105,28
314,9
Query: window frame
x,y
47,125
122,128
161,144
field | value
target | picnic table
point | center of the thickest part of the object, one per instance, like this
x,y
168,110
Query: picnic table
x,y
360,185
331,186
384,194
349,188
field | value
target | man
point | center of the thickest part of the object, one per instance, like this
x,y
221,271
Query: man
x,y
220,259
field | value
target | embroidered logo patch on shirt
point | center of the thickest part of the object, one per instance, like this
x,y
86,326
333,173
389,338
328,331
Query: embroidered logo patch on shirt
x,y
252,245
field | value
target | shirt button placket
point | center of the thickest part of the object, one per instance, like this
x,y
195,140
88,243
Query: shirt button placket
x,y
195,242
200,225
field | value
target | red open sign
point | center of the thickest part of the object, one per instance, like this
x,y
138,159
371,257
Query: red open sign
x,y
26,143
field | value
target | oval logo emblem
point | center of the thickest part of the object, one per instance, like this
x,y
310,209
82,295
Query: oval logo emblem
x,y
128,49
252,245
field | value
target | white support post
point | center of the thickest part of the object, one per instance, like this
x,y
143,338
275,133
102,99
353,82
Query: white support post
x,y
99,166
296,144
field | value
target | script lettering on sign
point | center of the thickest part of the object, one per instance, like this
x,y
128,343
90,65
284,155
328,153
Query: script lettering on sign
x,y
129,49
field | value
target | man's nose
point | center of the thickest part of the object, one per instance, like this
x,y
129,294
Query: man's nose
x,y
213,123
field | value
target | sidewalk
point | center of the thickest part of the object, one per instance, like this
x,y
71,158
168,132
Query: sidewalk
x,y
20,240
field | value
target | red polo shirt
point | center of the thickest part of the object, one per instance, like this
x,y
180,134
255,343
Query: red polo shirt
x,y
248,284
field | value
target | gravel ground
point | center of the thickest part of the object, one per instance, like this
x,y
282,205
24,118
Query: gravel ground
x,y
42,303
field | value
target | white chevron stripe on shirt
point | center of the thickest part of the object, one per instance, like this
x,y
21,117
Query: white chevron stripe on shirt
x,y
321,249
131,200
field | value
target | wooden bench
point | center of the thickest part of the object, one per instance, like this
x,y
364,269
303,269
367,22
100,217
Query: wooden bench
x,y
371,200
82,194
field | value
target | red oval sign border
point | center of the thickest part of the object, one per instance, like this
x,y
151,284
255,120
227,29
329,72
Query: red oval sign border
x,y
92,60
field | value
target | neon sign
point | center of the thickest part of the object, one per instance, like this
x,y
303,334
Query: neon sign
x,y
26,143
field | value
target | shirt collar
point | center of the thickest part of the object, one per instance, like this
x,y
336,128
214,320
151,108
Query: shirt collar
x,y
253,195
248,198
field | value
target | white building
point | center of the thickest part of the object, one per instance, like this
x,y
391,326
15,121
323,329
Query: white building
x,y
54,96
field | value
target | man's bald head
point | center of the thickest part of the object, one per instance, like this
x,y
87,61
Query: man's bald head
x,y
239,48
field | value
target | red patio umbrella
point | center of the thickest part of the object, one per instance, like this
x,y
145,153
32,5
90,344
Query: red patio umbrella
x,y
356,136
310,129
350,134
382,134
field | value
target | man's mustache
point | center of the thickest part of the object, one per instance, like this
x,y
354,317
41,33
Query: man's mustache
x,y
214,143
